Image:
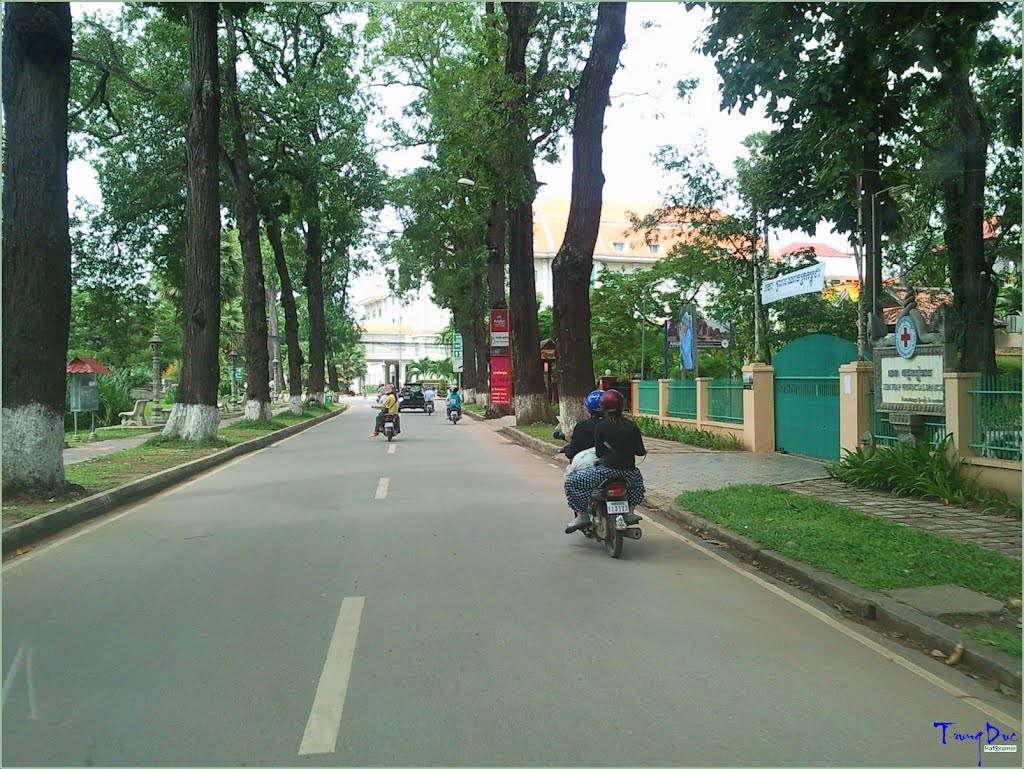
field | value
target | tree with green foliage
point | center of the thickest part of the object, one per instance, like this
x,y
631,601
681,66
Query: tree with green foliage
x,y
574,262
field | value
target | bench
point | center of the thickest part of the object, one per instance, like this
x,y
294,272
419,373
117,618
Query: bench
x,y
135,417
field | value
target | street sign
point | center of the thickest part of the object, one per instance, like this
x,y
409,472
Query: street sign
x,y
457,346
457,365
499,332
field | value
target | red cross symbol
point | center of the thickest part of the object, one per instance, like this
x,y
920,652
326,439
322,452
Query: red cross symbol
x,y
905,337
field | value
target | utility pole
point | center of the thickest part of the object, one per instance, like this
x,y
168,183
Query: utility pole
x,y
758,353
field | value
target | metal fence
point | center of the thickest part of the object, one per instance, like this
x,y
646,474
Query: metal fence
x,y
648,397
682,398
725,400
996,417
885,434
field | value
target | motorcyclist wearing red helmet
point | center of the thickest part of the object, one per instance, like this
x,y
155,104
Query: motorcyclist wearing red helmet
x,y
618,443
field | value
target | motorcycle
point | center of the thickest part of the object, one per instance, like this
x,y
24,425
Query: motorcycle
x,y
454,415
390,426
429,407
614,519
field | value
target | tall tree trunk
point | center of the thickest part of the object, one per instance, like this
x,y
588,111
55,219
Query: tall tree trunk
x,y
274,351
496,256
872,264
254,309
36,244
970,270
313,279
194,416
291,316
332,378
574,261
529,396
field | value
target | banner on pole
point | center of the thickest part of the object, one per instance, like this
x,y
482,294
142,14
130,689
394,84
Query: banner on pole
x,y
806,281
499,332
501,380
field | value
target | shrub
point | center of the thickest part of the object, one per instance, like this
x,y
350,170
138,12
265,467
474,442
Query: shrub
x,y
906,469
701,438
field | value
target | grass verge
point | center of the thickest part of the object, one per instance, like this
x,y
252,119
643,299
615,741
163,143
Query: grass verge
x,y
1008,641
156,454
867,551
474,407
542,431
704,439
105,434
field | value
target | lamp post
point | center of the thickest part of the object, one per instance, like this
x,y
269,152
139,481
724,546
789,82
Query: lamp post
x,y
233,358
277,385
874,242
158,413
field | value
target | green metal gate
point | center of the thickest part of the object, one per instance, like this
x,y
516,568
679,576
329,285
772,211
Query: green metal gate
x,y
807,395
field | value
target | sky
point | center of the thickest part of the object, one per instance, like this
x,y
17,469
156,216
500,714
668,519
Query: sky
x,y
645,113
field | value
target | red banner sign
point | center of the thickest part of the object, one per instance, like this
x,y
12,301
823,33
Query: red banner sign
x,y
501,380
499,332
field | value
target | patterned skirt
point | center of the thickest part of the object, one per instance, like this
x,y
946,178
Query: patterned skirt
x,y
580,484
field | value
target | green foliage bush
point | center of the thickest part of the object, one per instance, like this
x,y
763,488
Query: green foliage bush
x,y
912,470
702,438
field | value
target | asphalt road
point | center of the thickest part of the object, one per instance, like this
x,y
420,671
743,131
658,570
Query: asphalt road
x,y
326,602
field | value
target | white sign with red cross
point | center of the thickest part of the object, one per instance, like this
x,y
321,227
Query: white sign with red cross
x,y
906,337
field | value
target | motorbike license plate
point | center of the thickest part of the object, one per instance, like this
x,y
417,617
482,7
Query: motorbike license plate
x,y
618,507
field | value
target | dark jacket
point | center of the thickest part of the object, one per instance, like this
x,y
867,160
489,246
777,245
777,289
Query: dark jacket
x,y
617,446
582,437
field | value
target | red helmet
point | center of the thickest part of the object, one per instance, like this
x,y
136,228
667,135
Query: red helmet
x,y
612,402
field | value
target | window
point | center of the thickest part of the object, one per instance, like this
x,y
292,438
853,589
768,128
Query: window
x,y
618,246
653,248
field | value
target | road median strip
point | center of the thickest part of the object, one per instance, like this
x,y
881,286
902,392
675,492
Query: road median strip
x,y
878,609
46,524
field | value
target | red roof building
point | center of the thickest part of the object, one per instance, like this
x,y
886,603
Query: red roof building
x,y
87,366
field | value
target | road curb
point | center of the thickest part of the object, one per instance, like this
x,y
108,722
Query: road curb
x,y
45,525
883,611
473,415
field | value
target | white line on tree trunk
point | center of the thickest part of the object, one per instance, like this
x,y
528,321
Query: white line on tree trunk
x,y
382,488
321,735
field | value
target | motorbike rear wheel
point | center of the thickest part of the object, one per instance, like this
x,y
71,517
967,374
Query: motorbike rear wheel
x,y
612,537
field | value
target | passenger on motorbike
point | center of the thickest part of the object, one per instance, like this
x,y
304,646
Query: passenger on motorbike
x,y
429,394
583,434
389,405
618,443
455,402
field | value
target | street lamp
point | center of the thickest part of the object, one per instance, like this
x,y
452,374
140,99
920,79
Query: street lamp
x,y
874,241
277,385
158,413
466,182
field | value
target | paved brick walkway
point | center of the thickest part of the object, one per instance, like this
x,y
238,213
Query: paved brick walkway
x,y
993,532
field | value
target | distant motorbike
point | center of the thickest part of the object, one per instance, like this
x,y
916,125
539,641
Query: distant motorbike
x,y
610,511
429,407
454,415
390,426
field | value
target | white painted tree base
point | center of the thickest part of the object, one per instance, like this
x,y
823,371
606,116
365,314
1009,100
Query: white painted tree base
x,y
33,447
258,410
469,395
295,403
317,398
531,408
194,422
571,409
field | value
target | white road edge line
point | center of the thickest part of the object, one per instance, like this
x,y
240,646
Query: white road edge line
x,y
134,508
984,707
382,488
321,735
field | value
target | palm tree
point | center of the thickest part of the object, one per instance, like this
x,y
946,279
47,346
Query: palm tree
x,y
424,367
